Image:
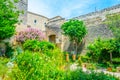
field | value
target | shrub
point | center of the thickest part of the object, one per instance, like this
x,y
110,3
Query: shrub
x,y
46,48
35,45
85,58
9,50
116,60
29,34
80,75
6,49
101,50
4,68
35,66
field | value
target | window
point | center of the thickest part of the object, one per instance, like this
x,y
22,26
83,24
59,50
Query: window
x,y
35,21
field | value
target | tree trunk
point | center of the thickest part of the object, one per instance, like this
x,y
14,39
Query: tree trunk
x,y
111,58
76,49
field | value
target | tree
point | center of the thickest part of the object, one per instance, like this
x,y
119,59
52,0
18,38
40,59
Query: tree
x,y
75,30
103,51
113,22
8,18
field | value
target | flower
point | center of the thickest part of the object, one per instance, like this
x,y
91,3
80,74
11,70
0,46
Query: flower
x,y
29,33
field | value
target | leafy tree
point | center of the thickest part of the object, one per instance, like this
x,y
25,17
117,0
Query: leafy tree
x,y
8,18
75,30
113,22
103,51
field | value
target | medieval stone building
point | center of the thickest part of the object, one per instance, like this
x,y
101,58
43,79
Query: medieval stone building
x,y
52,30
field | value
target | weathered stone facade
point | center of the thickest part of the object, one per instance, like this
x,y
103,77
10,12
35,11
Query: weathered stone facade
x,y
51,27
36,21
22,5
99,14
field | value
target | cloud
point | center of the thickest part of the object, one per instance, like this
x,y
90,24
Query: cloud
x,y
77,7
64,8
67,8
39,7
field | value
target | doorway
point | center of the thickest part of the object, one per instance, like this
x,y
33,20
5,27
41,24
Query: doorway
x,y
52,38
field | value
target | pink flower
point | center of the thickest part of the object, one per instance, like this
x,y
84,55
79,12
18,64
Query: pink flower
x,y
30,33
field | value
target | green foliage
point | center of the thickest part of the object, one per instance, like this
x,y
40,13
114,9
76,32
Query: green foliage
x,y
8,18
6,49
3,67
100,50
35,45
117,60
36,66
79,62
9,50
85,58
91,66
75,30
113,22
80,75
44,47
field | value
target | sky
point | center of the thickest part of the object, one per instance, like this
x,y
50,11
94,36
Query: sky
x,y
68,8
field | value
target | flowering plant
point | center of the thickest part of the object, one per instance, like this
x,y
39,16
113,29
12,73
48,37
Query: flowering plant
x,y
29,34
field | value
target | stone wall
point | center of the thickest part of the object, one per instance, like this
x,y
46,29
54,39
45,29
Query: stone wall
x,y
22,5
53,27
95,25
101,13
36,21
55,18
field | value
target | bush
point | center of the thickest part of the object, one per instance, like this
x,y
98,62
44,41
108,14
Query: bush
x,y
116,60
3,68
46,48
35,66
9,50
80,75
6,49
85,58
29,34
100,50
35,45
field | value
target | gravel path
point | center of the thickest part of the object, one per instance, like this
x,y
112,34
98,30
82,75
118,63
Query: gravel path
x,y
117,74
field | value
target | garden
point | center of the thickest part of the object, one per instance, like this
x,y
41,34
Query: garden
x,y
28,56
